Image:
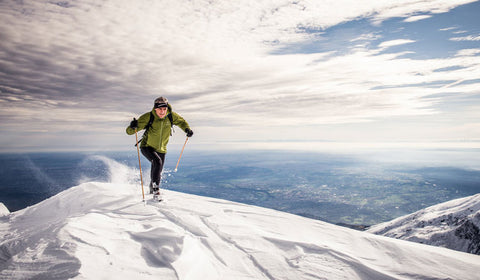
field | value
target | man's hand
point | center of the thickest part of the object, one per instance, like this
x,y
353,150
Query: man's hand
x,y
189,132
134,124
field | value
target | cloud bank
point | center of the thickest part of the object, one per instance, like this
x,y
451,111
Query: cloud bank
x,y
91,65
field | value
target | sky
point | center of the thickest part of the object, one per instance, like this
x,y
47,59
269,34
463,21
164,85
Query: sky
x,y
253,73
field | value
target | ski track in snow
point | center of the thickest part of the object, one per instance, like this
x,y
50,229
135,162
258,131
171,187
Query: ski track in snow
x,y
92,232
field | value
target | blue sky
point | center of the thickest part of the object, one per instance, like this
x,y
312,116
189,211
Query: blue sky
x,y
245,74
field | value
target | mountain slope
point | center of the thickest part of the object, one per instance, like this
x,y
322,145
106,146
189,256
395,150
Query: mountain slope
x,y
454,224
104,231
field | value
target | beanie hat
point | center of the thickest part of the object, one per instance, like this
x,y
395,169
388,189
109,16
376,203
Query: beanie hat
x,y
161,102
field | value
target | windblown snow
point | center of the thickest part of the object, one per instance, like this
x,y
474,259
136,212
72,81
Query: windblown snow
x,y
454,224
3,210
104,231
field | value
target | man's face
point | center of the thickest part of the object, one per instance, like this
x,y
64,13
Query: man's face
x,y
161,112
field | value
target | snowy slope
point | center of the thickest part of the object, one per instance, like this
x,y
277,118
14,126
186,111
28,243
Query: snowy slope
x,y
454,224
103,231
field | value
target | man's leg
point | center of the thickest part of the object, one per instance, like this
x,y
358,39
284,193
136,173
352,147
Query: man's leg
x,y
157,160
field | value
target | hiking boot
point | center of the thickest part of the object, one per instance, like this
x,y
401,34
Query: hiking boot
x,y
155,188
156,193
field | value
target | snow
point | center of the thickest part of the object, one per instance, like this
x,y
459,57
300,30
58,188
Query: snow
x,y
454,224
104,231
3,210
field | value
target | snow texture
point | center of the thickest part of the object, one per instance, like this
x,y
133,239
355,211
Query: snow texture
x,y
104,231
454,224
3,210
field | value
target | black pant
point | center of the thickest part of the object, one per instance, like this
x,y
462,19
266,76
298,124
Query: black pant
x,y
156,159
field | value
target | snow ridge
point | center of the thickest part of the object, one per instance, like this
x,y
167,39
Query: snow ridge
x,y
104,231
454,224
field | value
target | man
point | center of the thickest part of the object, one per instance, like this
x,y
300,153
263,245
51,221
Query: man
x,y
158,126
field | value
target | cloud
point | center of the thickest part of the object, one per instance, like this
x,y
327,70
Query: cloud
x,y
448,28
417,18
466,38
94,64
468,52
397,42
413,8
356,87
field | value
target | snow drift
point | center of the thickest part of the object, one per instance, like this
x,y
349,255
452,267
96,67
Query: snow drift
x,y
454,224
104,231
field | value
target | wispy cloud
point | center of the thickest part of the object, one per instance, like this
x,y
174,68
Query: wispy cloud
x,y
448,28
468,52
417,18
408,9
466,38
397,42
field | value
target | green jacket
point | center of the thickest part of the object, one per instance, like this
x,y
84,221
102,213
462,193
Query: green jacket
x,y
159,133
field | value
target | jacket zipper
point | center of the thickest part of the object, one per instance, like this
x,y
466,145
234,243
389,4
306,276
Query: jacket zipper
x,y
161,134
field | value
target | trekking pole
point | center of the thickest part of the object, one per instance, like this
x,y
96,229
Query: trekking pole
x,y
181,155
139,165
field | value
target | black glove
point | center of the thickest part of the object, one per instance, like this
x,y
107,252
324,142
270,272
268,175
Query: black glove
x,y
134,123
189,132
